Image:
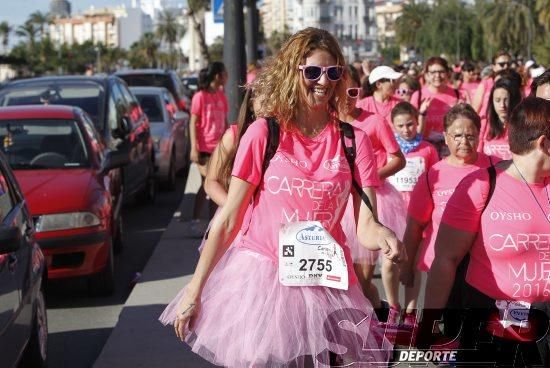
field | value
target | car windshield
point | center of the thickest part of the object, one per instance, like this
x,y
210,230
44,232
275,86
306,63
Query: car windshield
x,y
43,144
148,80
152,106
87,95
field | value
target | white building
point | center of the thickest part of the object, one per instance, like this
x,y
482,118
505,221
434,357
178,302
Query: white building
x,y
113,27
351,21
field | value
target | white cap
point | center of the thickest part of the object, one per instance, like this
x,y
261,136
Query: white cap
x,y
529,63
535,72
383,72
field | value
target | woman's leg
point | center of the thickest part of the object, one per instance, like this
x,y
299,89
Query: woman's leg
x,y
364,272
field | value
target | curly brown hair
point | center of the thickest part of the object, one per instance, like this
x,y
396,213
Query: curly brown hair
x,y
278,85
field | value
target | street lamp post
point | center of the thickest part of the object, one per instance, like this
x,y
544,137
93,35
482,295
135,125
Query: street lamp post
x,y
234,54
98,62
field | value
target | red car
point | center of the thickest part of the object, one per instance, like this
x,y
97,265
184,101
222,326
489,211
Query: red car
x,y
68,178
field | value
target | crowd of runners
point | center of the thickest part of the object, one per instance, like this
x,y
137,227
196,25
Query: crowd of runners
x,y
332,169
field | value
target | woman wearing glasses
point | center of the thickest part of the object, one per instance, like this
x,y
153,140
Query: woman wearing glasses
x,y
505,234
380,97
254,305
504,97
391,208
501,61
435,187
434,100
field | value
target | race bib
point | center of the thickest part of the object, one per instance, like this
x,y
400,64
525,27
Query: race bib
x,y
405,180
309,256
514,313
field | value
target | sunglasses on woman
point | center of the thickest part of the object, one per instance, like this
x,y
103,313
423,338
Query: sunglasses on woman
x,y
403,91
353,92
314,72
504,63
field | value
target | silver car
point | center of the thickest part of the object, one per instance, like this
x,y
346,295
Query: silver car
x,y
169,129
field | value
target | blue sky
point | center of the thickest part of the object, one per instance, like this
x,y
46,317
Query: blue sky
x,y
16,12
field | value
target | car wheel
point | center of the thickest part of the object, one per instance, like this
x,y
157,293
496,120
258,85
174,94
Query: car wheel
x,y
103,282
36,352
170,183
118,242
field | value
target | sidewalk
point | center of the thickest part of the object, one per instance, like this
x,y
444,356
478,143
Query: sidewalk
x,y
139,339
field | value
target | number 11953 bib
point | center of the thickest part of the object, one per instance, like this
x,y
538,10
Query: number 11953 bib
x,y
309,256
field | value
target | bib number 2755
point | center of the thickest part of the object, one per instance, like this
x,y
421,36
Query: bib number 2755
x,y
313,264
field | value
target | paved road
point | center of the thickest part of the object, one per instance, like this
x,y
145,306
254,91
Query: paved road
x,y
79,325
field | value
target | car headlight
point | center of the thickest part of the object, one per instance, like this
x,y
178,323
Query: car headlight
x,y
64,221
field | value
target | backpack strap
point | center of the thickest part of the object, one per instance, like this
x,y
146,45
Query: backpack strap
x,y
272,142
457,93
346,133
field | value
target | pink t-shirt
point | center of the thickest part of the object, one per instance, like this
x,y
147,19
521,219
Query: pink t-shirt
x,y
427,156
430,196
487,87
510,257
441,103
381,108
498,147
380,134
307,179
211,108
469,89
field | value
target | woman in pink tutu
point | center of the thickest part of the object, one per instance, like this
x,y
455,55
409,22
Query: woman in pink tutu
x,y
283,295
391,206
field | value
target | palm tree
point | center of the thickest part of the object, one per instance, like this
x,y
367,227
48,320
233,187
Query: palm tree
x,y
41,20
410,22
5,30
196,7
29,31
169,30
149,44
543,9
510,24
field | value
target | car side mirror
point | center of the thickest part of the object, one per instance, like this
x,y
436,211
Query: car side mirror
x,y
180,115
124,128
115,159
10,239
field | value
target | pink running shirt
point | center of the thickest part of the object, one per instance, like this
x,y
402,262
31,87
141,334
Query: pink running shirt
x,y
428,154
307,179
498,147
211,108
380,134
510,257
441,103
428,201
469,89
487,87
380,108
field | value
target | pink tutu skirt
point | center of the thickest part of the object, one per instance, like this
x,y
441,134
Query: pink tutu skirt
x,y
392,212
248,319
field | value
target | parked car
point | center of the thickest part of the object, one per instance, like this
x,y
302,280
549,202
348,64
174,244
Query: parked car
x,y
66,174
115,113
23,319
158,78
169,129
191,84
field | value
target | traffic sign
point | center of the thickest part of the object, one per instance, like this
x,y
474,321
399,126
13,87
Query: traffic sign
x,y
217,11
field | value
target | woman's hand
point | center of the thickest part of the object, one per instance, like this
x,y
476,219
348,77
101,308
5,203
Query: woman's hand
x,y
391,247
425,105
186,312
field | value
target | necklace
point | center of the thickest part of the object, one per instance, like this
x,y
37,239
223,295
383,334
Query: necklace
x,y
533,194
